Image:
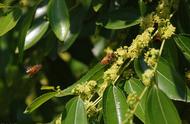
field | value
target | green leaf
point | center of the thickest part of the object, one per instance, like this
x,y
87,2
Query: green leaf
x,y
9,20
75,112
4,6
142,7
97,4
35,34
77,67
26,24
59,18
114,106
182,22
168,79
95,73
77,16
160,109
135,86
183,42
171,82
39,101
140,67
170,53
119,19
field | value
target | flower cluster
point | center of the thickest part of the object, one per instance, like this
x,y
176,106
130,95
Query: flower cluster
x,y
164,27
139,43
111,73
147,76
151,57
132,99
90,108
85,90
167,31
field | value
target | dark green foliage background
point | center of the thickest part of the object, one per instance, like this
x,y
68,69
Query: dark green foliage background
x,y
92,28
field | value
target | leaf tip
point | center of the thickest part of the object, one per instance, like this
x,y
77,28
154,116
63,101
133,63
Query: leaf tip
x,y
26,111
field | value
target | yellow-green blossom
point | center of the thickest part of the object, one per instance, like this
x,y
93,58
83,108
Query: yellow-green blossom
x,y
132,99
167,31
139,43
147,76
151,57
90,108
111,73
85,90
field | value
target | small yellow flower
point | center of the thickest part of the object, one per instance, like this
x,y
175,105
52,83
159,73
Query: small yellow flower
x,y
167,31
147,77
151,57
85,90
139,43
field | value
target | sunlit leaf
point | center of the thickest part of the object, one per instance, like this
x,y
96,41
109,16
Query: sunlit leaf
x,y
35,34
77,16
9,20
59,18
160,109
97,4
114,106
39,101
75,112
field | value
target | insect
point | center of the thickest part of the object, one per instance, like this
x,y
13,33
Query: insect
x,y
107,59
33,69
157,38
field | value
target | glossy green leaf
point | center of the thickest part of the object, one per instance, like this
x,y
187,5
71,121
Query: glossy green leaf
x,y
39,101
35,34
160,109
114,106
77,16
135,86
75,112
171,82
9,20
183,42
168,79
59,18
95,73
23,32
119,19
